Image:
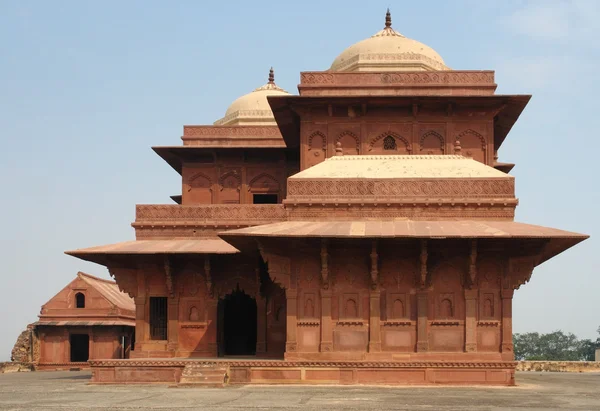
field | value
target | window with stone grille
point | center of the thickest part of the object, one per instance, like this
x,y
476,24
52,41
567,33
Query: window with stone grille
x,y
158,318
389,143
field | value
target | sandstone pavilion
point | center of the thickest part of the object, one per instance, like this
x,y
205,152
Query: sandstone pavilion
x,y
359,232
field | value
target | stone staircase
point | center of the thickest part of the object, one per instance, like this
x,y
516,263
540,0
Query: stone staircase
x,y
204,375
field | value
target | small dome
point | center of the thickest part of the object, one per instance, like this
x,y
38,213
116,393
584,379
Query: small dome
x,y
253,109
388,50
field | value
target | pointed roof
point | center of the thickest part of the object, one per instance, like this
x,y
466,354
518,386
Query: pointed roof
x,y
109,290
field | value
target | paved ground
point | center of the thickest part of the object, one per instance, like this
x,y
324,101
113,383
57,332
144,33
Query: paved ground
x,y
69,391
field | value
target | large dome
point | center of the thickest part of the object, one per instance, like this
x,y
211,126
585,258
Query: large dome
x,y
253,109
388,50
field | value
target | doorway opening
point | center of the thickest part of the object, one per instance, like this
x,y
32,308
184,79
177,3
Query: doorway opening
x,y
236,324
265,198
80,347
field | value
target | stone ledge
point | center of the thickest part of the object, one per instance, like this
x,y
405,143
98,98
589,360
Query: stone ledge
x,y
8,367
559,366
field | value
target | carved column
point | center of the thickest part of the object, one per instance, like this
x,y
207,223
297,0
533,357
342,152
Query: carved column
x,y
261,319
140,322
211,327
173,324
374,302
423,302
422,321
471,302
90,344
291,320
374,321
172,308
326,323
507,335
470,320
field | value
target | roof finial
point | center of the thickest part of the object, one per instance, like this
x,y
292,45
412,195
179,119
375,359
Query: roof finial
x,y
339,151
271,76
388,19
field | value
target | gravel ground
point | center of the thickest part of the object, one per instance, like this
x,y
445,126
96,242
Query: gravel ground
x,y
70,391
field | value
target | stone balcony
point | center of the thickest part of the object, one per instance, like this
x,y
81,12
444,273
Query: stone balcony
x,y
157,221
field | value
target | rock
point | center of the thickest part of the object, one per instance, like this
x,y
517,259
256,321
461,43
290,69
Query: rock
x,y
21,351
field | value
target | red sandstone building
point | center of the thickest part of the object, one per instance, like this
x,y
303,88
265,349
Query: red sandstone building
x,y
89,319
359,232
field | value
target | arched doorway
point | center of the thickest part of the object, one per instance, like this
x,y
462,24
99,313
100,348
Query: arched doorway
x,y
237,324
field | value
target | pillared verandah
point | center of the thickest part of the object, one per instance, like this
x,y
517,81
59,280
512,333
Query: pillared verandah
x,y
360,232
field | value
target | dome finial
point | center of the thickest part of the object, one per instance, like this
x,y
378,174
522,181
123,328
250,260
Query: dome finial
x,y
388,19
271,76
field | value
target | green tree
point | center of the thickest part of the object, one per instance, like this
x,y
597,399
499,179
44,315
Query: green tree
x,y
554,346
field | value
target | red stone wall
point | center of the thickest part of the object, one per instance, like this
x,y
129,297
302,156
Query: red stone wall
x,y
55,348
431,132
233,178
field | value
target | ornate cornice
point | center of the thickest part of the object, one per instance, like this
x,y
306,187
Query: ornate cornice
x,y
307,364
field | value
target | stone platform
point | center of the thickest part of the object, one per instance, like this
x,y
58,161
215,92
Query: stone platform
x,y
237,371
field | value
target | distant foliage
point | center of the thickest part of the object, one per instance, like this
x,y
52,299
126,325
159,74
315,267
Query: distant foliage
x,y
555,346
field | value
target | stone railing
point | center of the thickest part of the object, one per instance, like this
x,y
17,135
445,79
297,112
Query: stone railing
x,y
559,366
401,83
209,213
180,221
247,136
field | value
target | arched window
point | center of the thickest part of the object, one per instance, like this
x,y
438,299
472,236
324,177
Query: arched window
x,y
351,309
398,310
446,309
389,143
79,300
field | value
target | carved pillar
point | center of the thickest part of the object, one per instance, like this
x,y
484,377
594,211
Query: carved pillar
x,y
291,320
324,266
261,318
374,265
207,275
326,323
507,337
423,302
470,320
422,321
90,344
140,322
173,324
374,321
261,325
211,328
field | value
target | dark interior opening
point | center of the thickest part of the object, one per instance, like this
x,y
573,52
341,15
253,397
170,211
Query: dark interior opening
x,y
80,347
79,300
264,198
237,324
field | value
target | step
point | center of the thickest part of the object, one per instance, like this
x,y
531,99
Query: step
x,y
203,375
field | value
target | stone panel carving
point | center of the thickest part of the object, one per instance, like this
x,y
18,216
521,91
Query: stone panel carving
x,y
174,212
350,143
431,143
401,143
406,188
210,131
445,78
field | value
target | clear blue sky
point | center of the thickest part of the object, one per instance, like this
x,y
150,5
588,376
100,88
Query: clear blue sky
x,y
87,87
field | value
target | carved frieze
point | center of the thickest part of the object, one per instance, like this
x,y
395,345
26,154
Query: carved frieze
x,y
456,188
209,212
459,78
